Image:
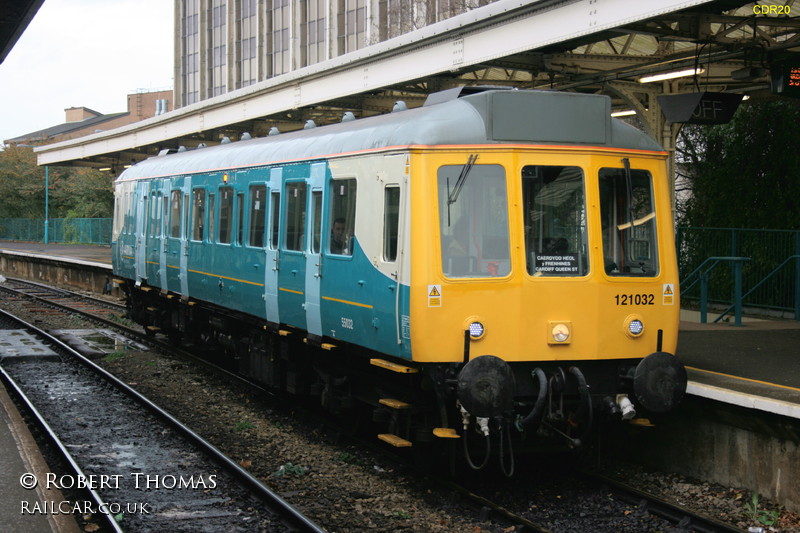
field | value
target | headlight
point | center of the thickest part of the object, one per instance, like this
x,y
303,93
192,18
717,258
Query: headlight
x,y
634,326
476,330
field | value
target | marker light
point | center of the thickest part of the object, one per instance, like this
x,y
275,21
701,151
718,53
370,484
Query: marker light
x,y
476,330
560,333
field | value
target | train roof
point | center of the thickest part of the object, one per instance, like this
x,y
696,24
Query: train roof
x,y
454,117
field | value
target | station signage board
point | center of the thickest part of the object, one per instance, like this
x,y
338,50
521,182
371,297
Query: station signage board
x,y
699,108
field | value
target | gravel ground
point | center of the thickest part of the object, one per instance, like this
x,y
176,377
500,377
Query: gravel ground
x,y
348,489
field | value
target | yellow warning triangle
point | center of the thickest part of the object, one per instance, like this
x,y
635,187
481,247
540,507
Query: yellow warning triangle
x,y
434,292
668,289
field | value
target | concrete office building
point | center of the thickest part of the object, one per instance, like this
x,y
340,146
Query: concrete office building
x,y
224,45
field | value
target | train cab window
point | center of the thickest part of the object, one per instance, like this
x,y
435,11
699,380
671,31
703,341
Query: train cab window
x,y
473,220
554,214
391,220
342,216
628,219
176,201
258,213
225,215
294,236
198,214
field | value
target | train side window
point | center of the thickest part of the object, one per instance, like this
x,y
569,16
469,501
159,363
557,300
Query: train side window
x,y
198,213
473,220
316,209
165,215
240,217
628,216
225,214
211,220
554,214
342,216
153,222
391,220
258,213
176,203
294,235
275,209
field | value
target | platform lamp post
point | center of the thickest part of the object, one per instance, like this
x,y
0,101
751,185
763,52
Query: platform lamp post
x,y
46,202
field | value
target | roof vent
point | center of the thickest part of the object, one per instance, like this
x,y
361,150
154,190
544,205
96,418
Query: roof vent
x,y
399,106
201,145
245,136
181,149
274,131
348,116
225,140
310,124
458,92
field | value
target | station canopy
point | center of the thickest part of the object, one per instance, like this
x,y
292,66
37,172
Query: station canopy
x,y
731,47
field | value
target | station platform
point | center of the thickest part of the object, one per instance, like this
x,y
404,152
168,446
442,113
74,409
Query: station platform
x,y
754,365
26,510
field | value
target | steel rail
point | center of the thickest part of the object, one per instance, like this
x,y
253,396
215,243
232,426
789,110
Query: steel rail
x,y
260,490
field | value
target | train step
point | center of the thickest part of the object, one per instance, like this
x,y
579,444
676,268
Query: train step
x,y
446,433
394,440
394,367
394,404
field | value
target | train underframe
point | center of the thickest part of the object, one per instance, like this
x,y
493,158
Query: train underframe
x,y
481,409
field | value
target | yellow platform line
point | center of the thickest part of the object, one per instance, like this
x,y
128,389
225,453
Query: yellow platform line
x,y
787,387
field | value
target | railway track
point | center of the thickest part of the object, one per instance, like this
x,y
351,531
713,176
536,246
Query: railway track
x,y
520,516
140,468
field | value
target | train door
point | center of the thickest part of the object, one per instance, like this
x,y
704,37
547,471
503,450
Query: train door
x,y
292,272
140,252
163,199
184,255
316,183
272,250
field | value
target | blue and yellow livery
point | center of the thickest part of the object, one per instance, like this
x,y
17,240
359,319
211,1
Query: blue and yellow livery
x,y
496,258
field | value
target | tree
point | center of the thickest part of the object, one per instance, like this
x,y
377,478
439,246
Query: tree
x,y
744,174
74,192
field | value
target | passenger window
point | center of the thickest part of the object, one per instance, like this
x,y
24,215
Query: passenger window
x,y
295,216
554,213
175,214
153,215
391,219
225,214
258,211
164,218
473,220
342,216
198,213
316,206
275,209
628,219
240,213
211,214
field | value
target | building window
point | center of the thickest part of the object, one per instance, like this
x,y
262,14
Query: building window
x,y
352,25
315,31
190,51
217,47
281,23
247,43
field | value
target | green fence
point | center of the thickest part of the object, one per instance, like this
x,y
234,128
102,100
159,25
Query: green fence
x,y
75,230
770,278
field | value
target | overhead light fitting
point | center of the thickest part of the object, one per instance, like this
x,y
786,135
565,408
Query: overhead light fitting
x,y
624,113
672,75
